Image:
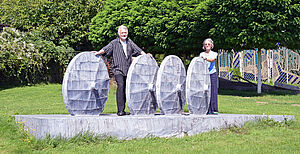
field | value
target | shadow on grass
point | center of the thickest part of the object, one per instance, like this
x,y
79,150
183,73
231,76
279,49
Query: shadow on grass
x,y
252,93
4,86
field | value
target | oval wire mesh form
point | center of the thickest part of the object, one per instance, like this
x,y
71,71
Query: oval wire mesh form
x,y
140,85
85,85
170,85
198,86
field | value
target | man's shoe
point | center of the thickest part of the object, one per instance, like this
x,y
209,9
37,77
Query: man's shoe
x,y
122,113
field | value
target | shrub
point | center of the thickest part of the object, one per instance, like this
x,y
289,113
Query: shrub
x,y
28,59
62,22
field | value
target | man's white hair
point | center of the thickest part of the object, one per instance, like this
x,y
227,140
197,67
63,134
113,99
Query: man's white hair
x,y
122,27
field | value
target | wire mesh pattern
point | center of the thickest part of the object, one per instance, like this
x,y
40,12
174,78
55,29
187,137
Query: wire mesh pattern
x,y
170,85
85,85
140,85
198,87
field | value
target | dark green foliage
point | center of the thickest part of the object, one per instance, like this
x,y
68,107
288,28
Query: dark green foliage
x,y
248,24
179,27
62,22
158,26
26,58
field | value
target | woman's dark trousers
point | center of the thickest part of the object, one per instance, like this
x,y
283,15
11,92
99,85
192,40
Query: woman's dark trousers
x,y
213,105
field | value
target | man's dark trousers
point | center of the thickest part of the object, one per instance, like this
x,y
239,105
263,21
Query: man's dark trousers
x,y
121,96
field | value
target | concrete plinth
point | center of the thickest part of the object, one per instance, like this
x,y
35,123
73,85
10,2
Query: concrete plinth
x,y
128,127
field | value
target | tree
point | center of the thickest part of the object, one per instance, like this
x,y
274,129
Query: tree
x,y
62,22
159,26
244,24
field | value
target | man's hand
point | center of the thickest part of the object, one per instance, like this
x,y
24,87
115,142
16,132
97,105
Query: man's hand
x,y
149,54
98,52
95,52
144,53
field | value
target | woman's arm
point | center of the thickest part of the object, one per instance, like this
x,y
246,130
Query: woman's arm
x,y
210,59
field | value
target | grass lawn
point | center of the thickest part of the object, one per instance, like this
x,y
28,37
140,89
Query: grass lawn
x,y
264,137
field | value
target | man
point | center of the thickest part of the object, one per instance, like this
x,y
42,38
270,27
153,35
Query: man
x,y
122,50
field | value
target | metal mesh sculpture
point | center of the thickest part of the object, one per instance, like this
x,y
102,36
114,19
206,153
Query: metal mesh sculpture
x,y
198,86
85,85
170,85
140,85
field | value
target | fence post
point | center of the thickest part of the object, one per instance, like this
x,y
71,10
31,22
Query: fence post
x,y
270,67
255,62
241,63
259,70
219,62
287,64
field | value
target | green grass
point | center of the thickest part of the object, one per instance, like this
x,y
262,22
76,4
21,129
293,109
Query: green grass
x,y
264,137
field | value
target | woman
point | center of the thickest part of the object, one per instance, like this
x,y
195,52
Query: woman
x,y
211,57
